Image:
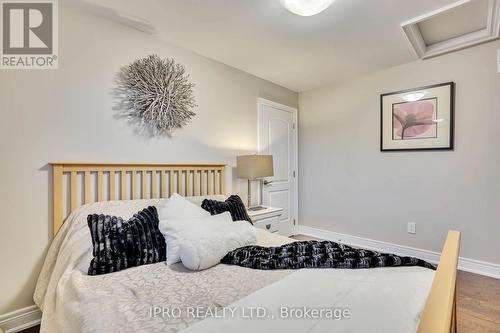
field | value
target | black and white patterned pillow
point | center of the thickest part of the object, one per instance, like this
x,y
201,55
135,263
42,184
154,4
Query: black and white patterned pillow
x,y
120,244
234,205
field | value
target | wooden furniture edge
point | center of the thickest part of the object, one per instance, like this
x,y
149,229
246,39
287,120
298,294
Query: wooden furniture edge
x,y
126,164
188,185
439,315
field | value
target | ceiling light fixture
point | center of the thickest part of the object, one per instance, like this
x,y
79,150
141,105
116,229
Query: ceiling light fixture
x,y
306,7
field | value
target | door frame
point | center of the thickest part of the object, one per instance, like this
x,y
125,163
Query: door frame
x,y
261,102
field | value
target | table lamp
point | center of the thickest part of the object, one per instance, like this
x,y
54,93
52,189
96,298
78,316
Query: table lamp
x,y
254,167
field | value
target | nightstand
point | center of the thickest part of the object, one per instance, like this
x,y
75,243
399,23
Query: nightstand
x,y
267,218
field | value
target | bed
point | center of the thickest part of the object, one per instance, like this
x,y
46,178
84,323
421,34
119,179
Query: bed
x,y
156,298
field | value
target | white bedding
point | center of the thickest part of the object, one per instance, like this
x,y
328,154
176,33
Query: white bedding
x,y
388,300
72,301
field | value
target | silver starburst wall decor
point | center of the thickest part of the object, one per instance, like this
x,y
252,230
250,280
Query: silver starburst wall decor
x,y
156,94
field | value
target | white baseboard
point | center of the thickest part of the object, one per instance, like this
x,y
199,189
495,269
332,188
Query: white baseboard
x,y
21,319
464,264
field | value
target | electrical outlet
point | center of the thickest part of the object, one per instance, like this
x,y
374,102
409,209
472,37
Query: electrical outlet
x,y
412,228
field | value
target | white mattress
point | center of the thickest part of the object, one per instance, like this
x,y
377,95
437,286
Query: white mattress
x,y
72,301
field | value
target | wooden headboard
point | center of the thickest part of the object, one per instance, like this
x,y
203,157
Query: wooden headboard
x,y
75,184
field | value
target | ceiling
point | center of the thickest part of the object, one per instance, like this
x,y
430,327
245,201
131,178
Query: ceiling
x,y
461,20
349,39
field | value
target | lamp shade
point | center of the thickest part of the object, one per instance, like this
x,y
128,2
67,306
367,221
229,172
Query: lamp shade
x,y
254,166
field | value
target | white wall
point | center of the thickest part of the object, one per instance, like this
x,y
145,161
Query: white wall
x,y
347,185
66,115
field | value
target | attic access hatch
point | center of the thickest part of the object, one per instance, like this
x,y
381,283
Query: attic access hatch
x,y
462,24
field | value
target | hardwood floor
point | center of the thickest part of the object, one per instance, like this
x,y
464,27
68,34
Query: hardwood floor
x,y
35,329
478,303
303,238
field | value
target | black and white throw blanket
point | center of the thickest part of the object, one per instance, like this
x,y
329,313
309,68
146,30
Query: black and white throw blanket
x,y
315,254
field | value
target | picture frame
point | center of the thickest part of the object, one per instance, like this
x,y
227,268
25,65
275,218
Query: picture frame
x,y
418,119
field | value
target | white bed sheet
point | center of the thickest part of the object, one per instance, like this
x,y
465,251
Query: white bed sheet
x,y
72,301
388,300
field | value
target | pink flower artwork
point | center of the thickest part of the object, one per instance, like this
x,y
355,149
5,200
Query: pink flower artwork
x,y
415,120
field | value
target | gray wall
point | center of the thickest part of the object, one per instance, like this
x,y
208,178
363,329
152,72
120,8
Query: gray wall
x,y
347,185
66,115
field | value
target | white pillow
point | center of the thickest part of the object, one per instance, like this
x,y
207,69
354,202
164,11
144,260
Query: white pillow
x,y
204,247
198,200
178,207
175,230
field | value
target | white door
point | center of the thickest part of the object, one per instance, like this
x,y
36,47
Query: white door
x,y
278,137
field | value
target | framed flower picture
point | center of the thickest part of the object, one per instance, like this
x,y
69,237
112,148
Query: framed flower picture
x,y
418,119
